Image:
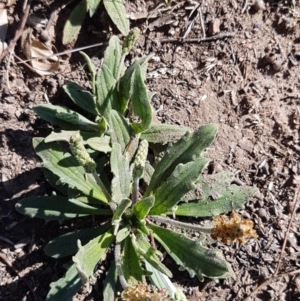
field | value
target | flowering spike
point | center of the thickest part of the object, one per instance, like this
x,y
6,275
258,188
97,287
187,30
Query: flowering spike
x,y
130,40
144,292
140,159
81,154
233,229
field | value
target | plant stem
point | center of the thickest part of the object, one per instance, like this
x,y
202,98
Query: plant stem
x,y
178,224
104,190
122,279
135,190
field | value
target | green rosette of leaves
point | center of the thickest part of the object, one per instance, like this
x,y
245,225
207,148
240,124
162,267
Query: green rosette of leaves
x,y
131,177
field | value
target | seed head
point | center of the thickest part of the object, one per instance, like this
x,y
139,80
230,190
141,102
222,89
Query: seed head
x,y
80,153
233,229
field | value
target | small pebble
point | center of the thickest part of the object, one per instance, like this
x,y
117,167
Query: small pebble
x,y
277,66
259,5
214,27
262,213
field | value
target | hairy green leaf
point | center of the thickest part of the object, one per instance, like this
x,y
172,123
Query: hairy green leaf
x,y
234,198
131,264
144,249
117,12
66,287
188,148
177,185
100,144
92,71
123,205
121,182
123,233
191,256
160,280
164,133
67,169
66,244
140,103
126,82
210,186
107,97
93,6
56,208
74,193
81,97
142,207
66,135
74,22
119,129
111,286
49,113
53,180
148,172
90,254
112,55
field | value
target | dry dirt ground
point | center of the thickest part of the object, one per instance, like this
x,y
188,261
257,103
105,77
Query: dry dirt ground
x,y
243,75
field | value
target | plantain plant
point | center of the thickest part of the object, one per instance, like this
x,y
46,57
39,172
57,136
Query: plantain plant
x,y
102,167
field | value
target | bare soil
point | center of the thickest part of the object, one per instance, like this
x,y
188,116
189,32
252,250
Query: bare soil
x,y
248,83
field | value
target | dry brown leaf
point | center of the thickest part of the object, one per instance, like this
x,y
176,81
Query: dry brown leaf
x,y
42,58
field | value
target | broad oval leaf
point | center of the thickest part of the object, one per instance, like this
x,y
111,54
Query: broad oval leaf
x,y
140,103
126,82
148,172
164,133
100,144
66,244
234,198
210,186
123,205
191,256
74,22
117,12
121,182
66,135
90,254
67,169
161,281
107,96
81,97
92,71
131,264
177,185
187,149
119,129
143,207
66,287
56,208
93,6
111,286
145,250
49,113
112,55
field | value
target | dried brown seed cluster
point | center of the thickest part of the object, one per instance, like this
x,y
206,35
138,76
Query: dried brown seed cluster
x,y
143,292
232,229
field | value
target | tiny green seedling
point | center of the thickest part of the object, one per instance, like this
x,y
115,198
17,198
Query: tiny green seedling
x,y
105,169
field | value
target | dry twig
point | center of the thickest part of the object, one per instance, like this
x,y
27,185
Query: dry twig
x,y
245,6
19,32
201,40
